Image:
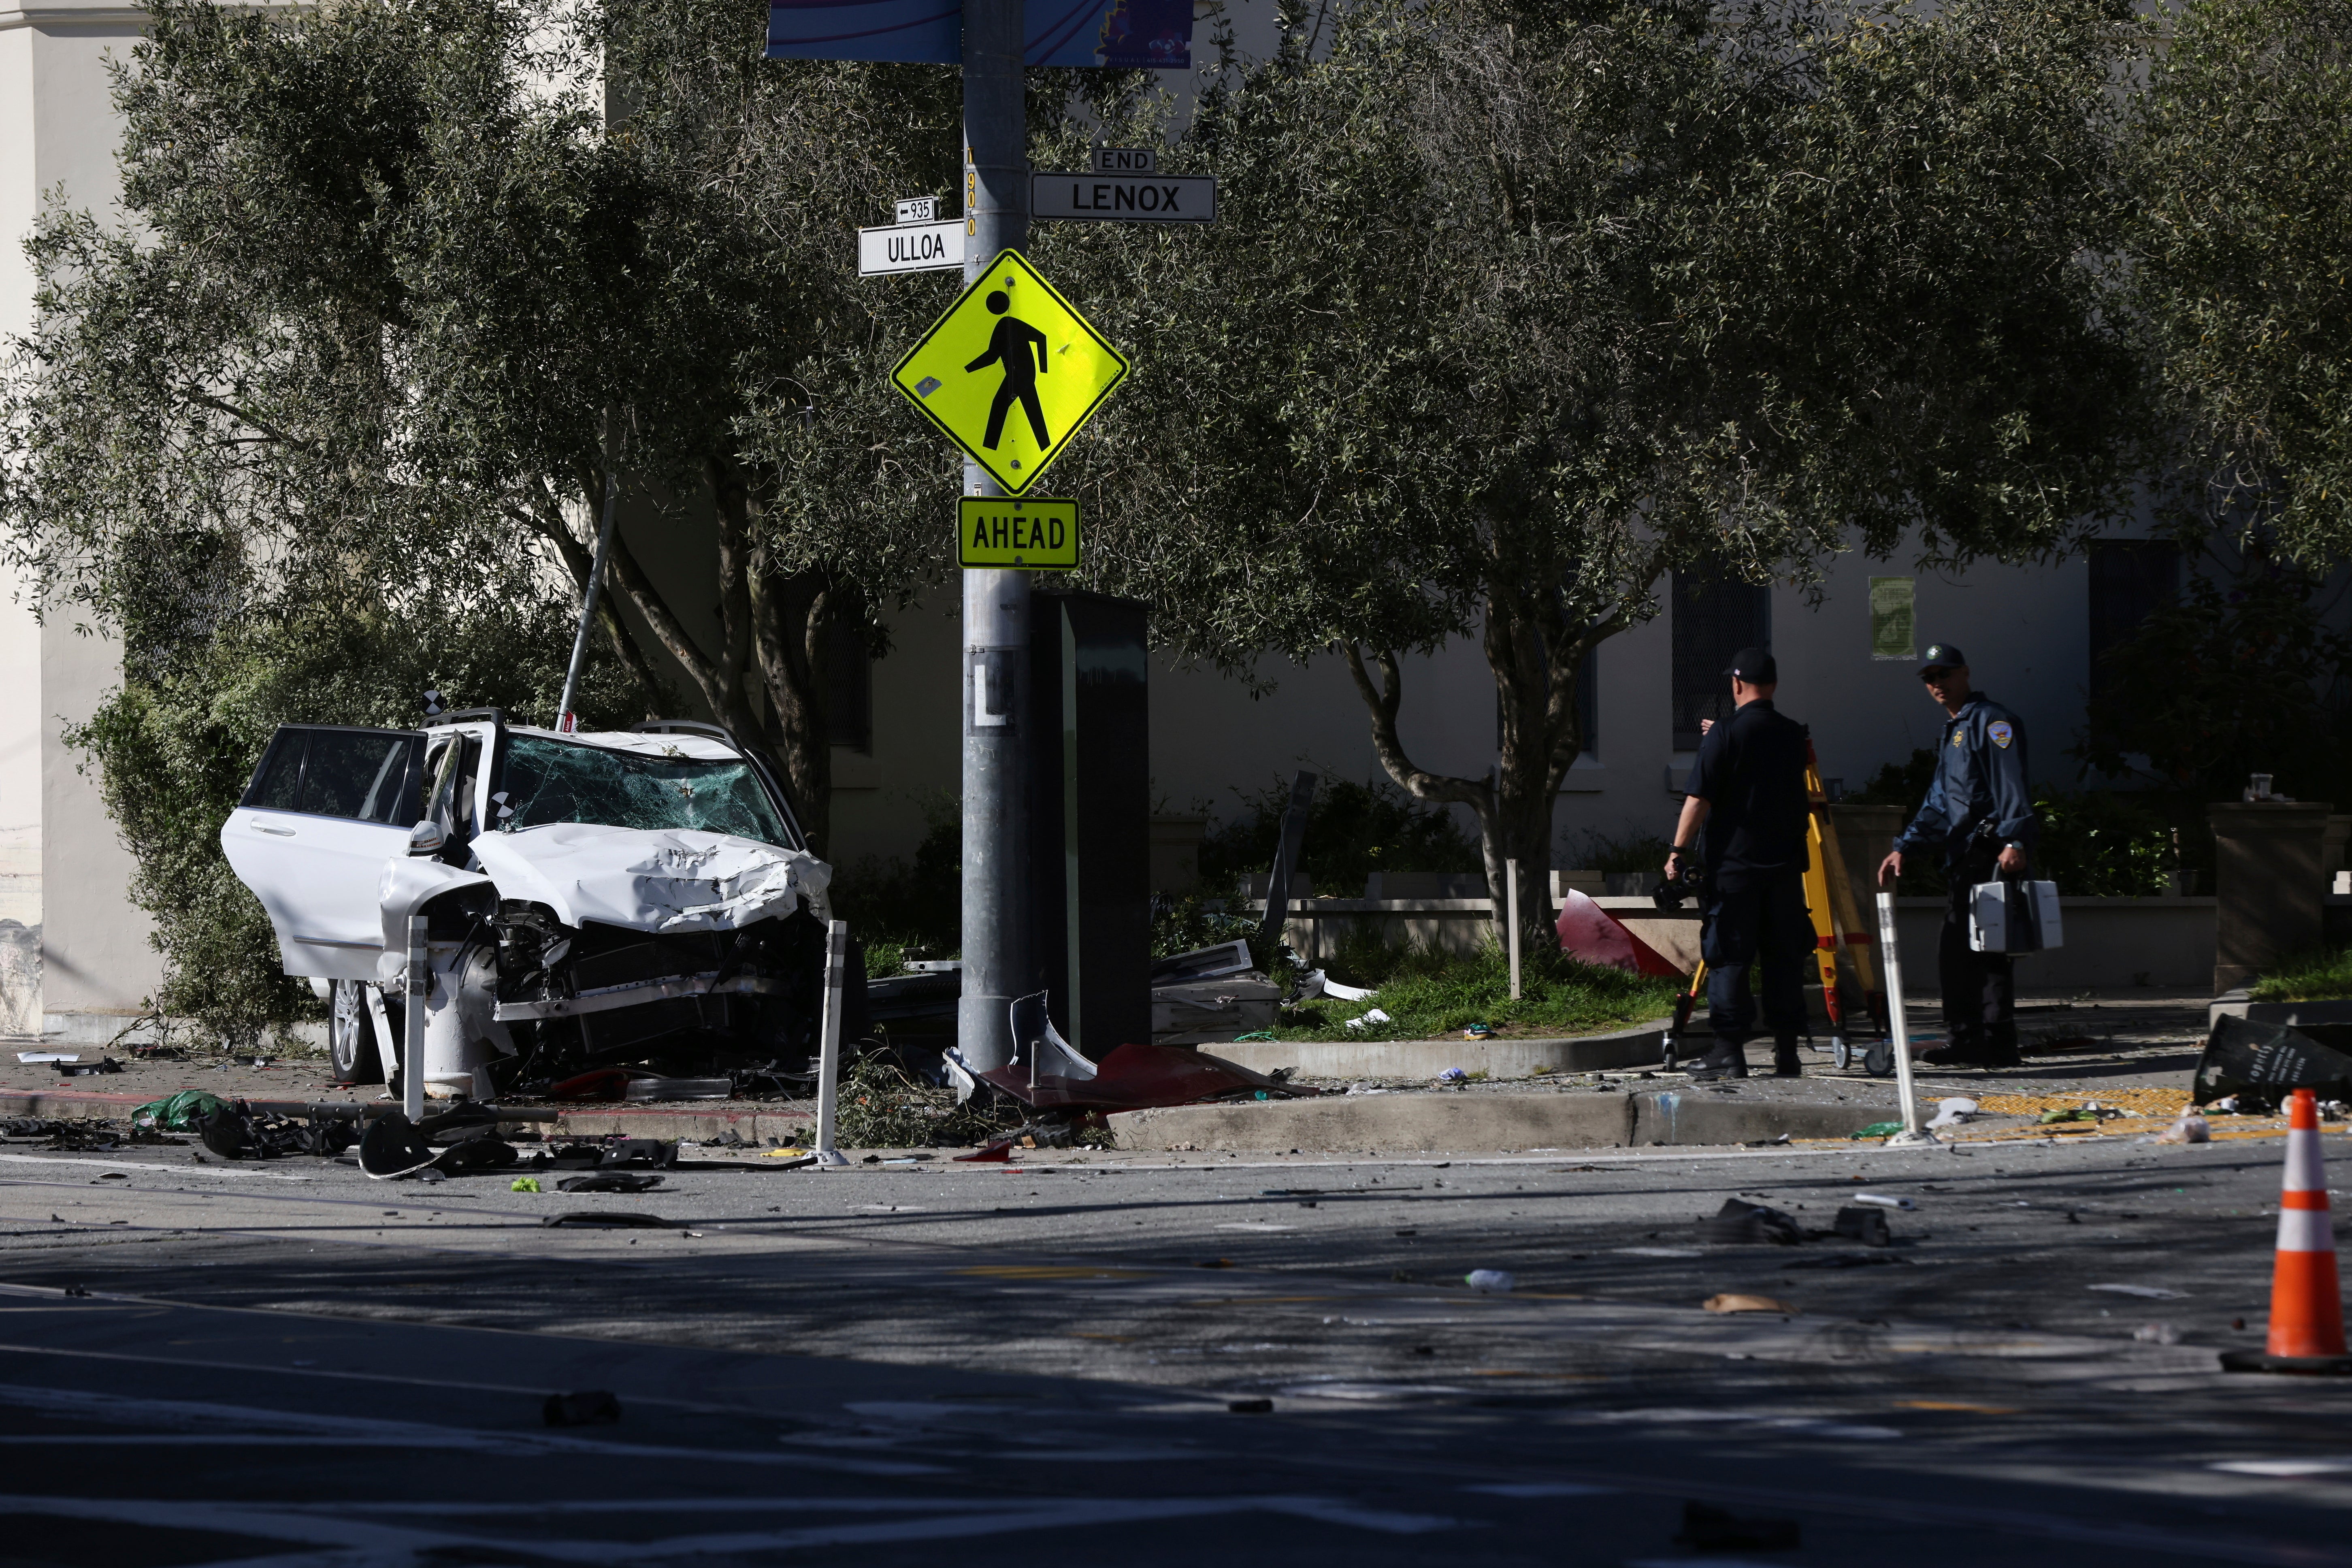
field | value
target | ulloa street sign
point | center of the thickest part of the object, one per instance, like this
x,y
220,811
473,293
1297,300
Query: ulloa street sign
x,y
914,244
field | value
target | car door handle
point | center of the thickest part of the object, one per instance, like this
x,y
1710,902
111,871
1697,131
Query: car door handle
x,y
274,832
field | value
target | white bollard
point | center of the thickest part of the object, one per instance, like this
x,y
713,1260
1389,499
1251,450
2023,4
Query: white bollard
x,y
1511,913
1897,1029
828,1063
412,1045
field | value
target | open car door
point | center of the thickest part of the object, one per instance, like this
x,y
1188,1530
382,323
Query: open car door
x,y
327,807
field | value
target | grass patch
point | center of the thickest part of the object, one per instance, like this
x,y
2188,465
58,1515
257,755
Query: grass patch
x,y
2308,977
1427,994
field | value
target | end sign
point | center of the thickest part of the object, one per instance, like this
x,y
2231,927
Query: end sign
x,y
1035,535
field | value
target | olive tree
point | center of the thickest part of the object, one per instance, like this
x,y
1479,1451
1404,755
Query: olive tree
x,y
1510,311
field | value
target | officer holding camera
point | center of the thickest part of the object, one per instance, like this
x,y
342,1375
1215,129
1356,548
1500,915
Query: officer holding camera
x,y
1748,791
1979,816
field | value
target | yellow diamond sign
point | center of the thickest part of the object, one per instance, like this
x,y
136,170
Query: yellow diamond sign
x,y
1010,372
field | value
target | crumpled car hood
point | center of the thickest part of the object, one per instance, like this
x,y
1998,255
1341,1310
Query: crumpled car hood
x,y
670,879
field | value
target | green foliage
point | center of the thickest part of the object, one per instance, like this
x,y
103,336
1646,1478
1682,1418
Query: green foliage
x,y
1186,922
2240,156
2322,976
1428,994
1353,830
1614,289
2241,674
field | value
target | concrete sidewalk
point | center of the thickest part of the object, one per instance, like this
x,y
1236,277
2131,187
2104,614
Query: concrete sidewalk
x,y
2132,1051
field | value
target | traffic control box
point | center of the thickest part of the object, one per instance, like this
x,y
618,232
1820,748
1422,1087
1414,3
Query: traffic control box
x,y
1090,827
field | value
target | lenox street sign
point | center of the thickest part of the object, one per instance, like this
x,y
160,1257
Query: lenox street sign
x,y
1123,198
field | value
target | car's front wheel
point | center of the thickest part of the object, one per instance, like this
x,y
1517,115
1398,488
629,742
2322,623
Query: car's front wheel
x,y
351,1036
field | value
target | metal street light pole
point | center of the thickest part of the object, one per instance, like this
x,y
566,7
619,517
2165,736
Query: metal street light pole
x,y
996,914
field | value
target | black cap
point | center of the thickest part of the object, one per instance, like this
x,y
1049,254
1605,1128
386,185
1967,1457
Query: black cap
x,y
1942,656
1754,666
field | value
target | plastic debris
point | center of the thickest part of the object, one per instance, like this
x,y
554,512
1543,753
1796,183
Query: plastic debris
x,y
609,1182
2051,1118
1882,1200
2156,1335
1952,1112
2254,1065
525,1185
180,1112
1729,1302
2190,1128
1332,988
1878,1129
1454,1075
1365,1020
1491,1281
1477,1031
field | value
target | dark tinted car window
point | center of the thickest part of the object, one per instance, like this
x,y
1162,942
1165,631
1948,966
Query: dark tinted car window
x,y
279,777
355,775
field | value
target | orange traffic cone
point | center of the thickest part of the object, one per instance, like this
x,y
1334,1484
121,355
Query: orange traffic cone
x,y
2306,1301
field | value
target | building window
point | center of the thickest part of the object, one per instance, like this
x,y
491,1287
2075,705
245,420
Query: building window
x,y
1715,616
1588,707
849,684
2130,577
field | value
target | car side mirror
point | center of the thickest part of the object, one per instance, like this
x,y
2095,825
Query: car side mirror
x,y
427,838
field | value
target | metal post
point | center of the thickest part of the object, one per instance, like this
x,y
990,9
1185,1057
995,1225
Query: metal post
x,y
1897,1031
1511,910
588,599
411,1047
828,1061
996,885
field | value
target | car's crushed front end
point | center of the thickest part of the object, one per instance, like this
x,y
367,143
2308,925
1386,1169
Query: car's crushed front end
x,y
640,899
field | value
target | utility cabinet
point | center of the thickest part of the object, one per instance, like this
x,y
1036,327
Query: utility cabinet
x,y
1090,824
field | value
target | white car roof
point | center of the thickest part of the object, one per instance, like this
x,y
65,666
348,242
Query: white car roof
x,y
701,748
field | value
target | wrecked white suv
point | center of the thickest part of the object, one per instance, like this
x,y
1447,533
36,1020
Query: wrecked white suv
x,y
640,897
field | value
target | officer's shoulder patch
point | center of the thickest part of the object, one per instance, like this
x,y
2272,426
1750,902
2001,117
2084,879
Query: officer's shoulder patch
x,y
2001,731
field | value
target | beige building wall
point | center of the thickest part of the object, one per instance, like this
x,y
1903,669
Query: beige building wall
x,y
70,941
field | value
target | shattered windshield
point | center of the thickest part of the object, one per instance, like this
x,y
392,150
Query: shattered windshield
x,y
555,781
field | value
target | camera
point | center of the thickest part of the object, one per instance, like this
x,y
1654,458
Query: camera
x,y
1672,891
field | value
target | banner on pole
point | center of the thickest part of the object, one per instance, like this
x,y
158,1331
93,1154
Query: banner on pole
x,y
1155,35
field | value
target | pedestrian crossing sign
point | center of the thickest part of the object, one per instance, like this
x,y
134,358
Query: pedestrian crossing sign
x,y
1010,372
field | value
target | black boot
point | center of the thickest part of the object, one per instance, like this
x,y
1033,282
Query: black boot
x,y
1784,1057
1972,1051
1724,1061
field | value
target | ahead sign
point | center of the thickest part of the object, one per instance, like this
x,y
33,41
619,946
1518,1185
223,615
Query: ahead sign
x,y
1124,198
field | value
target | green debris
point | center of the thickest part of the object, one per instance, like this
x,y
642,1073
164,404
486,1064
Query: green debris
x,y
526,1185
1878,1129
180,1113
2050,1116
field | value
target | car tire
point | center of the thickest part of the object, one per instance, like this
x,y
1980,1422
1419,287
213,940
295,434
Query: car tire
x,y
350,1035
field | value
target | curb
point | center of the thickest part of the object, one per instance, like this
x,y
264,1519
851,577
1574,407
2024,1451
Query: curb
x,y
1639,1047
1443,1123
750,1123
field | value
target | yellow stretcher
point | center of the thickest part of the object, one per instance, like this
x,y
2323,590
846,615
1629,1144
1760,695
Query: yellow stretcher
x,y
1837,926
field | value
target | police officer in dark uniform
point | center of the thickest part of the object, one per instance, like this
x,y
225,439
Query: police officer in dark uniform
x,y
1979,818
1747,790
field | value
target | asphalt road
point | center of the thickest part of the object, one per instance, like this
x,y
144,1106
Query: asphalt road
x,y
288,1364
